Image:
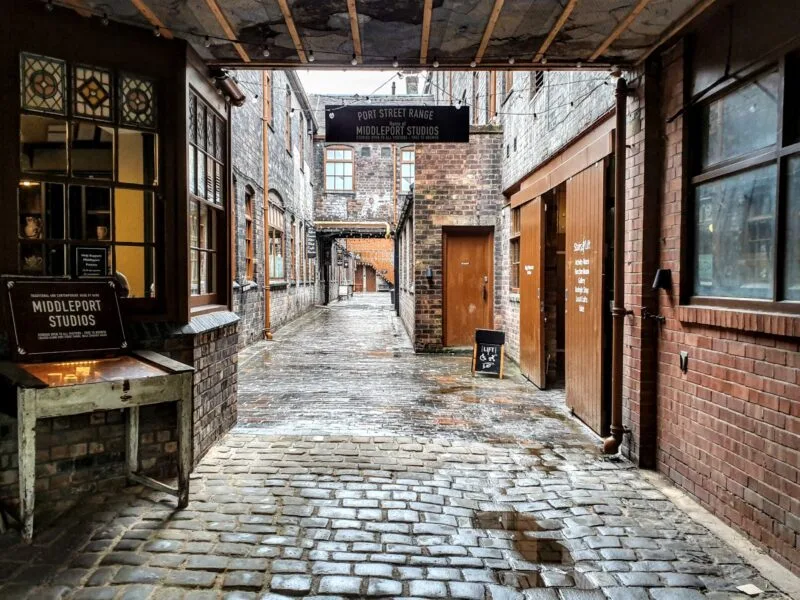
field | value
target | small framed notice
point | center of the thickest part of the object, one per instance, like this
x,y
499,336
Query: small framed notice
x,y
488,352
91,262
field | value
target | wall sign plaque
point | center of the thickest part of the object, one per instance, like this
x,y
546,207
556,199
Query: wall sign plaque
x,y
50,317
401,124
91,262
311,242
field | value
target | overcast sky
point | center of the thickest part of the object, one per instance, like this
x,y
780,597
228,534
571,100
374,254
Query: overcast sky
x,y
350,82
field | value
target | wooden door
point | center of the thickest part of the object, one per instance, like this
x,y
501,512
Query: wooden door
x,y
358,280
531,292
584,295
371,285
468,285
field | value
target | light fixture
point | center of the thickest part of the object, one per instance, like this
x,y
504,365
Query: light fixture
x,y
395,63
435,63
354,60
663,279
544,60
579,64
265,52
104,20
331,115
473,64
156,32
207,42
311,57
511,60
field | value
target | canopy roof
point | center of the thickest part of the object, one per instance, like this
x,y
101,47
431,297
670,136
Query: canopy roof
x,y
453,34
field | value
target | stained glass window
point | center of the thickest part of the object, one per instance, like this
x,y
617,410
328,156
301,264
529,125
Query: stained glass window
x,y
92,92
42,83
137,99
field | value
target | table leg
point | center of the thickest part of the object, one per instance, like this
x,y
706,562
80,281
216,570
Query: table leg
x,y
26,423
132,441
185,440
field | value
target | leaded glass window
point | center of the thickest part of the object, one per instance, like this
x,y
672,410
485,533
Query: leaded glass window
x,y
42,83
137,98
92,93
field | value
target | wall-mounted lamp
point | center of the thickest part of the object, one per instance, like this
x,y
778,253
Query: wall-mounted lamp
x,y
663,280
429,274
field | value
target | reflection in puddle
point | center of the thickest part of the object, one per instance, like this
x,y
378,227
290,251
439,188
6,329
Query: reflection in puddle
x,y
534,542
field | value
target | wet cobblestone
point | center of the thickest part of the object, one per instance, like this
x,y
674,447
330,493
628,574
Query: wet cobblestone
x,y
422,494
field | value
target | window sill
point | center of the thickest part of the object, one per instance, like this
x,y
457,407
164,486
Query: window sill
x,y
727,318
205,309
278,285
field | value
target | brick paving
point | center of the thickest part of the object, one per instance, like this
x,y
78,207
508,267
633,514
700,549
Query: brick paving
x,y
385,486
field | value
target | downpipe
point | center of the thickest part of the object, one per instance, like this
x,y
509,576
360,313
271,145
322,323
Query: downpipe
x,y
618,312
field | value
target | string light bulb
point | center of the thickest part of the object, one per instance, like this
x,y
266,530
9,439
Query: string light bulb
x,y
104,20
511,60
311,57
473,64
435,63
579,64
207,42
354,60
544,60
265,52
395,63
156,32
49,5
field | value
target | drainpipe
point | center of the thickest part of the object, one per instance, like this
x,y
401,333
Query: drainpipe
x,y
265,204
612,443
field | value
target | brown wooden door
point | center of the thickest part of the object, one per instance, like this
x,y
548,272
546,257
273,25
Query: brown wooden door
x,y
468,285
584,295
358,280
531,292
371,283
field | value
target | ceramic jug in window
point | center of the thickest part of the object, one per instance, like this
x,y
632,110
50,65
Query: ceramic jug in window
x,y
33,228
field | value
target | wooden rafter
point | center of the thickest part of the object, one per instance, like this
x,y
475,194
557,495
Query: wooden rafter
x,y
562,18
152,18
677,26
426,31
79,6
487,33
227,28
354,29
298,43
619,29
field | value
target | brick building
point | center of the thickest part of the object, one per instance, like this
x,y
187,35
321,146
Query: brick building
x,y
710,388
277,107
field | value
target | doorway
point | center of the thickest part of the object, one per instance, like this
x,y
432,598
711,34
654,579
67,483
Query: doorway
x,y
468,278
365,279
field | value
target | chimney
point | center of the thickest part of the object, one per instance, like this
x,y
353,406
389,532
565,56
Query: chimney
x,y
394,87
412,85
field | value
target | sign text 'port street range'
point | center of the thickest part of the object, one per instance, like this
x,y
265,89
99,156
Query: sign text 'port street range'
x,y
401,124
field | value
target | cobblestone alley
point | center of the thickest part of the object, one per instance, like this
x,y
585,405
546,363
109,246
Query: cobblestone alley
x,y
359,469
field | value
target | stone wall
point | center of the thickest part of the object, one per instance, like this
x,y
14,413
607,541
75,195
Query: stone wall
x,y
466,179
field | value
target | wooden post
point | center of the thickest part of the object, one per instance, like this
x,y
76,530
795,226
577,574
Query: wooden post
x,y
474,357
26,423
185,406
132,442
502,359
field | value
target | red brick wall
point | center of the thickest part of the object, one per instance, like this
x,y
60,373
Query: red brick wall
x,y
379,253
729,429
456,185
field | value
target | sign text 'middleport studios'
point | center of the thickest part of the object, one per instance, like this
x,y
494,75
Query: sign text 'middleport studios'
x,y
401,124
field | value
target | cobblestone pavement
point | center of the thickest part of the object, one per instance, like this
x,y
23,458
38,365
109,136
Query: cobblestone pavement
x,y
475,499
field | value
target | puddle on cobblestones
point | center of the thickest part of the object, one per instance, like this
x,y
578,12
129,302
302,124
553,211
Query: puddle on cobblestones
x,y
534,541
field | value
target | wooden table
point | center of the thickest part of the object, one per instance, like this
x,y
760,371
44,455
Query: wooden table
x,y
58,389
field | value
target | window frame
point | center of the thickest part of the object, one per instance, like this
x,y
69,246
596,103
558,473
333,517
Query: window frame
x,y
413,164
277,223
249,234
778,154
327,160
475,98
536,83
515,234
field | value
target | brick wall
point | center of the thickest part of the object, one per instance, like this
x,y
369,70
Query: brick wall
x,y
456,185
506,302
729,429
378,253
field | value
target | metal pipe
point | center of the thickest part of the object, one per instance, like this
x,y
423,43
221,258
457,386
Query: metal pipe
x,y
266,82
612,443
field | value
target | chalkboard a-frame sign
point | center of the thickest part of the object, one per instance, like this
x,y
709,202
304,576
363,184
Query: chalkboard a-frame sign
x,y
488,352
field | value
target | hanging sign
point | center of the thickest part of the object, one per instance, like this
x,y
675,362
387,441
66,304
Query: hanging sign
x,y
400,124
311,242
52,318
488,352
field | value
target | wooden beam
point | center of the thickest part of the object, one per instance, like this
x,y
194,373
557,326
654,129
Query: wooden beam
x,y
354,30
619,29
487,33
426,31
677,27
227,28
79,6
298,44
554,31
152,18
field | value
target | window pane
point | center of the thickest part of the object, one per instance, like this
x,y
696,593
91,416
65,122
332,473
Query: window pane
x,y
201,175
205,280
138,157
406,170
194,224
329,168
133,216
339,154
792,277
201,125
408,156
329,183
192,170
204,229
209,179
741,122
135,264
735,236
348,168
195,272
331,154
347,183
43,145
347,154
92,151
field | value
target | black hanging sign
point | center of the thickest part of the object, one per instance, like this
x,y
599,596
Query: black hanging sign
x,y
311,242
401,124
91,262
488,352
55,318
